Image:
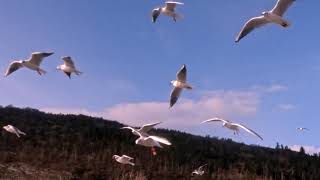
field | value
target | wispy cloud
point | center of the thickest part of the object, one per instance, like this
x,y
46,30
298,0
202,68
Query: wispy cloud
x,y
286,107
308,149
187,112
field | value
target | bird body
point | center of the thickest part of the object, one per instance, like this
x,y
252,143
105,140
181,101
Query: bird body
x,y
124,159
13,130
143,130
302,129
199,171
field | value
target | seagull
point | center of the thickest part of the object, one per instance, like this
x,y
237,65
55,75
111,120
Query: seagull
x,y
150,141
13,130
143,130
168,10
68,67
124,159
273,16
302,129
199,171
179,84
233,126
32,63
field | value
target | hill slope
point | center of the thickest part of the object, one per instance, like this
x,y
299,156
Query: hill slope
x,y
81,147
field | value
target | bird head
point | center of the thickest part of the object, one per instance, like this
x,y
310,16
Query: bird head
x,y
264,13
172,82
114,156
58,67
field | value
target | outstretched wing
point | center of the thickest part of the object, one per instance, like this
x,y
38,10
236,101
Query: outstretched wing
x,y
175,95
127,157
155,15
248,130
251,25
37,57
171,5
182,74
13,67
281,7
215,120
161,140
201,167
147,127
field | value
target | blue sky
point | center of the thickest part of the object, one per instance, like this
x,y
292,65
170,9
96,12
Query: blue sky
x,y
269,81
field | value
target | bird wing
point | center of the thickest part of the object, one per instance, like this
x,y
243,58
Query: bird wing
x,y
127,157
147,127
13,67
37,57
128,127
155,15
281,7
160,139
201,167
251,25
182,74
175,95
171,5
215,120
68,61
248,130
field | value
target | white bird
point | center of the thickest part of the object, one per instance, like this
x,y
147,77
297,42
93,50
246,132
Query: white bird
x,y
68,67
168,10
233,126
273,16
143,130
302,129
124,159
32,63
13,130
179,85
199,171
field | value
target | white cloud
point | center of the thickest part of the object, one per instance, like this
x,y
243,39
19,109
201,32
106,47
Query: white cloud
x,y
308,149
187,112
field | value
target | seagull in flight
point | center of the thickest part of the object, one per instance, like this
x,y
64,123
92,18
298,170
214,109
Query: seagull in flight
x,y
124,159
179,84
68,67
168,10
32,63
301,129
273,16
13,130
233,126
143,130
199,171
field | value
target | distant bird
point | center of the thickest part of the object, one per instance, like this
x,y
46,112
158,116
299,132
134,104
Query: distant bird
x,y
233,126
13,130
199,171
124,159
302,129
32,63
168,10
179,85
273,16
68,67
143,130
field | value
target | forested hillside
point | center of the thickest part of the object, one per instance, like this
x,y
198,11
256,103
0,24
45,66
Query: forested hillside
x,y
81,147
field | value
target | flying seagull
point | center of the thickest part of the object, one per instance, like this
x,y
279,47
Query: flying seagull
x,y
168,10
124,159
233,126
179,84
302,129
13,130
68,67
143,130
273,16
199,171
32,63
